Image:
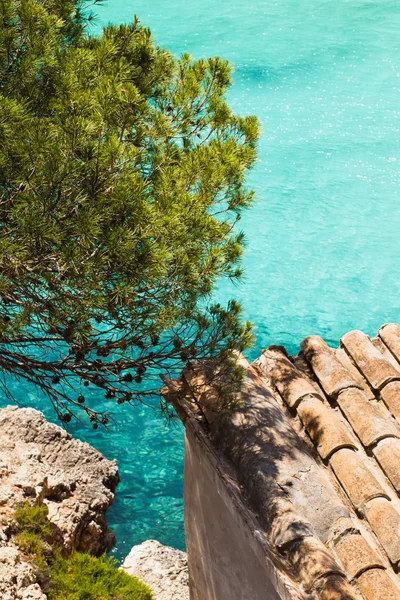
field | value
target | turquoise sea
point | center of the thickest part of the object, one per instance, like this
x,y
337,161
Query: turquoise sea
x,y
324,237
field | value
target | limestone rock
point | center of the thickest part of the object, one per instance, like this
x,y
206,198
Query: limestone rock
x,y
160,567
33,592
15,574
40,462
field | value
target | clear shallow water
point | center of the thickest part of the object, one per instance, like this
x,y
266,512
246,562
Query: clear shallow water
x,y
324,78
323,239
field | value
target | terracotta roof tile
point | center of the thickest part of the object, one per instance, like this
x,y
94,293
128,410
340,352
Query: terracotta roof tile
x,y
390,334
356,555
331,374
334,588
344,375
391,397
302,365
366,417
387,453
323,426
377,585
289,382
312,561
356,479
377,370
384,350
357,438
344,358
385,522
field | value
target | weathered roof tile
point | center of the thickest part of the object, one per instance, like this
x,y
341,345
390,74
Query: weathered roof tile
x,y
335,587
287,525
391,397
302,365
311,561
323,426
330,372
282,373
385,522
356,555
390,334
387,453
383,349
377,585
356,479
346,361
366,417
374,366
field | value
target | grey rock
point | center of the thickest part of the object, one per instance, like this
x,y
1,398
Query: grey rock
x,y
163,569
42,463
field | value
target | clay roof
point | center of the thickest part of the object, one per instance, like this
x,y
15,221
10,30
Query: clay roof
x,y
353,423
316,443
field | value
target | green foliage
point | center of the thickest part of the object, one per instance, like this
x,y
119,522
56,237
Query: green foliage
x,y
84,577
122,177
33,519
32,545
75,577
33,531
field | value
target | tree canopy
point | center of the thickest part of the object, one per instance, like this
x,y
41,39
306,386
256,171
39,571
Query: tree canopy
x,y
122,177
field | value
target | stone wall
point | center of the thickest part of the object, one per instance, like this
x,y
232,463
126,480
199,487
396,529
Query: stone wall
x,y
229,556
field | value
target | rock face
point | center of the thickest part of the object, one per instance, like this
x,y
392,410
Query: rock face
x,y
40,462
163,569
17,577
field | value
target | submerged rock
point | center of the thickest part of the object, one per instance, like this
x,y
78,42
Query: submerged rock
x,y
162,568
40,462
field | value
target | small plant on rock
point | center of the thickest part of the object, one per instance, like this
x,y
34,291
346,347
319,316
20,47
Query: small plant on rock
x,y
78,576
34,531
84,577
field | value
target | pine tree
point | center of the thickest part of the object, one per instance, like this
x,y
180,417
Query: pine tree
x,y
122,177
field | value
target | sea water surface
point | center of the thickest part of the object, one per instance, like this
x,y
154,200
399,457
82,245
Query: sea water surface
x,y
323,247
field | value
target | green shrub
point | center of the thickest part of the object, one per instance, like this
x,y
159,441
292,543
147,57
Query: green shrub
x,y
33,519
32,545
84,577
76,577
34,528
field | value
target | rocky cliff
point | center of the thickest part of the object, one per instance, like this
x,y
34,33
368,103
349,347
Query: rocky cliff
x,y
40,462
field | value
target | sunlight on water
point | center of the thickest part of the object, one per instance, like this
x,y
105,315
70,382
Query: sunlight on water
x,y
323,240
